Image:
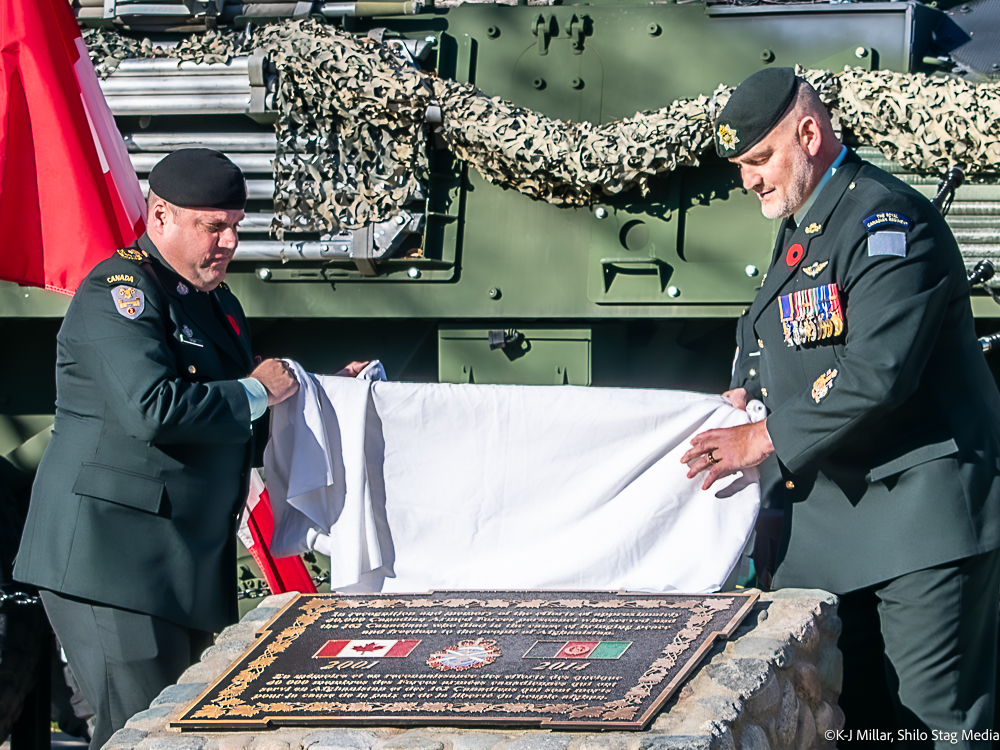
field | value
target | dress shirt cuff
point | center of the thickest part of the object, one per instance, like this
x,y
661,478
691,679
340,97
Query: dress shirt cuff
x,y
257,395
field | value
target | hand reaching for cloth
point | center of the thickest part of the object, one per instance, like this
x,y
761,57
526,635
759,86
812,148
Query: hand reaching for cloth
x,y
730,449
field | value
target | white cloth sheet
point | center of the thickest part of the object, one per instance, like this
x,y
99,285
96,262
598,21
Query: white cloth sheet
x,y
411,487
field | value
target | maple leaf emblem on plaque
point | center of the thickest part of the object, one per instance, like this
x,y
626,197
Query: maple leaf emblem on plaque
x,y
367,648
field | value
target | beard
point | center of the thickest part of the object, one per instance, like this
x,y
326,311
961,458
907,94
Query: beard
x,y
797,189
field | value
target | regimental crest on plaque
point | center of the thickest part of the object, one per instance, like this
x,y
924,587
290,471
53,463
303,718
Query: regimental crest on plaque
x,y
465,655
475,658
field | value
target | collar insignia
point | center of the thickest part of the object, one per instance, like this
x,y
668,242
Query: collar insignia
x,y
823,385
728,137
813,228
815,269
182,288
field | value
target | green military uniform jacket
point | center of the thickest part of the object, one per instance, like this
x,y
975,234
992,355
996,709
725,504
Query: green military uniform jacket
x,y
137,496
886,435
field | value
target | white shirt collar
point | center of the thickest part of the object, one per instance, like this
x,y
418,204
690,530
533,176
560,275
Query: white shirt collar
x,y
802,212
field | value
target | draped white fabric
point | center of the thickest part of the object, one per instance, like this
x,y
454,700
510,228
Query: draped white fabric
x,y
411,487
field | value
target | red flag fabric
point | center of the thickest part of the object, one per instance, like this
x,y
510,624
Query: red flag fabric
x,y
281,573
69,196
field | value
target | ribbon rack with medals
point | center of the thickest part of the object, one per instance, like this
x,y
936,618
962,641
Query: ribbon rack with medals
x,y
811,315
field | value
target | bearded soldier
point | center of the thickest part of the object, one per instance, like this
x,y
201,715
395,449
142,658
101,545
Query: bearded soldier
x,y
882,415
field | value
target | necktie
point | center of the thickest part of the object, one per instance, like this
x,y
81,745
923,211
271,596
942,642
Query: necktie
x,y
786,238
790,228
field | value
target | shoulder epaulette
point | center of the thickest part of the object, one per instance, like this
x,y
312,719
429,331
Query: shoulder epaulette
x,y
130,253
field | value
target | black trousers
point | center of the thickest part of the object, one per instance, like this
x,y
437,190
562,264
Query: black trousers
x,y
121,659
920,654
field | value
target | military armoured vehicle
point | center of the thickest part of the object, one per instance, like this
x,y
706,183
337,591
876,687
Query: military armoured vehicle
x,y
541,267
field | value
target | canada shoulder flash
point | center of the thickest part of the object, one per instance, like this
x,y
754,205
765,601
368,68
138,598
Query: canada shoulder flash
x,y
128,301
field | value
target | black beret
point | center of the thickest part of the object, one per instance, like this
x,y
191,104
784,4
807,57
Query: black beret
x,y
199,178
757,105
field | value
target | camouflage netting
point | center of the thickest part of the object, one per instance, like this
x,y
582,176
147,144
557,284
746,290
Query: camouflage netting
x,y
352,140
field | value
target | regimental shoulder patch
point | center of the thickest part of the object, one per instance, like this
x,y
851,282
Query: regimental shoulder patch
x,y
131,253
123,278
886,219
129,301
815,269
887,243
823,385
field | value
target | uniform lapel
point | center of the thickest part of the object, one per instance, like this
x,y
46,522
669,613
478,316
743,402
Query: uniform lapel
x,y
196,304
229,307
812,228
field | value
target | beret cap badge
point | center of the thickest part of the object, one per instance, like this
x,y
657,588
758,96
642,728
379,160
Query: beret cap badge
x,y
728,137
754,109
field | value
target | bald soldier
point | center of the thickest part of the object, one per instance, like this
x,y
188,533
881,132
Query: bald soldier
x,y
882,415
131,530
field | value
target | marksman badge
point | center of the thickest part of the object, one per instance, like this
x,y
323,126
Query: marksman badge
x,y
728,137
823,385
815,269
811,315
129,301
182,287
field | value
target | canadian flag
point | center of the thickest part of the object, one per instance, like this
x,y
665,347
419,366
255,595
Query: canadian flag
x,y
256,527
69,196
365,649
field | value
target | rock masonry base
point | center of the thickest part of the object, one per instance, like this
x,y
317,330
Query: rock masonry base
x,y
773,686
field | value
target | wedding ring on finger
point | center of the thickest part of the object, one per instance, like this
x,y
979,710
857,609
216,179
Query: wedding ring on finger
x,y
712,459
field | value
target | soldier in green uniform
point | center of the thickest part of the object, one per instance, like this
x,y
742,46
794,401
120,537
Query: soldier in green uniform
x,y
131,530
882,415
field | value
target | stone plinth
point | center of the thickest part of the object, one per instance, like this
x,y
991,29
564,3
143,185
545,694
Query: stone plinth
x,y
775,685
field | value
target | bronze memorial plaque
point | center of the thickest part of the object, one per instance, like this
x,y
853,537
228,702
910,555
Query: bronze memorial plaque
x,y
596,661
